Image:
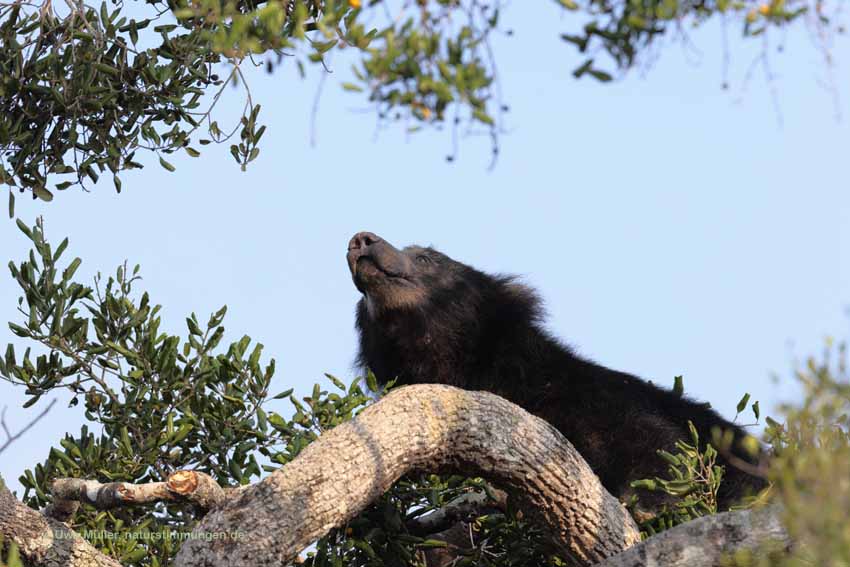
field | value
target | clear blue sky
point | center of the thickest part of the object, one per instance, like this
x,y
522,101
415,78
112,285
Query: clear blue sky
x,y
672,227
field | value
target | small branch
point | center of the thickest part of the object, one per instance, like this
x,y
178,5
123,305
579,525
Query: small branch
x,y
705,541
461,508
11,438
192,486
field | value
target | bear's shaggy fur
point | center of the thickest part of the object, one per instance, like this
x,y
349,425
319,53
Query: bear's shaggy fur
x,y
425,318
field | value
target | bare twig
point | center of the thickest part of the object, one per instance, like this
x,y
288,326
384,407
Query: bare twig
x,y
10,437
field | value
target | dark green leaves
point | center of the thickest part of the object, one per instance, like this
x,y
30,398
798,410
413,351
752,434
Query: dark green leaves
x,y
78,101
162,402
693,479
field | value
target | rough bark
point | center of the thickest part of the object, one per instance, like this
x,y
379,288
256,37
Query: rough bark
x,y
424,427
704,541
45,542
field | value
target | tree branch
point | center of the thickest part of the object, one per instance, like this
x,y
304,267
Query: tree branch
x,y
424,427
461,508
10,437
704,541
44,541
193,486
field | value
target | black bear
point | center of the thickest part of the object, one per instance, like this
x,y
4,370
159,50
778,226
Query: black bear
x,y
425,318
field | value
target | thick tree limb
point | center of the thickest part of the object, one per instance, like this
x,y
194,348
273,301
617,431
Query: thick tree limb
x,y
45,542
704,541
424,427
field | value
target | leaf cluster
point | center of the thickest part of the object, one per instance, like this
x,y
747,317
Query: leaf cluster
x,y
160,401
811,468
693,479
83,90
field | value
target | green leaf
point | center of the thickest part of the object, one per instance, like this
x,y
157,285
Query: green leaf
x,y
743,403
262,422
193,327
19,331
372,381
166,165
482,116
42,194
125,440
24,228
568,4
59,249
352,87
236,471
336,382
71,269
277,421
756,409
11,204
583,68
600,76
284,394
182,432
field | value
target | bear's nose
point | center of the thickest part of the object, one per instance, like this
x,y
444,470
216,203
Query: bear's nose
x,y
363,240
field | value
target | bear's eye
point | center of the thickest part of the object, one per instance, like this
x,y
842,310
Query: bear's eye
x,y
423,259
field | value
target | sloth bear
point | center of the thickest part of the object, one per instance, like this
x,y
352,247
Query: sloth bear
x,y
425,318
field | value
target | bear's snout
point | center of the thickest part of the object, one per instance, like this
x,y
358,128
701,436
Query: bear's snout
x,y
362,240
385,258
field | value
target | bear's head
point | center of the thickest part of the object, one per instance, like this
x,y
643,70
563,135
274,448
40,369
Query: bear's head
x,y
391,279
420,292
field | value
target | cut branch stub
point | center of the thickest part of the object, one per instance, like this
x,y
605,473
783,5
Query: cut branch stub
x,y
192,486
423,427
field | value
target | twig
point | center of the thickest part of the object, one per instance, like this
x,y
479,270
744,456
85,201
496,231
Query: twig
x,y
12,438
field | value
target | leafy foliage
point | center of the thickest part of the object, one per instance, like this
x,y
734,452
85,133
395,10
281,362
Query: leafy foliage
x,y
161,404
811,467
86,86
694,480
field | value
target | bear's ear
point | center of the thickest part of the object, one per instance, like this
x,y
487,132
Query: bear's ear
x,y
524,295
520,290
